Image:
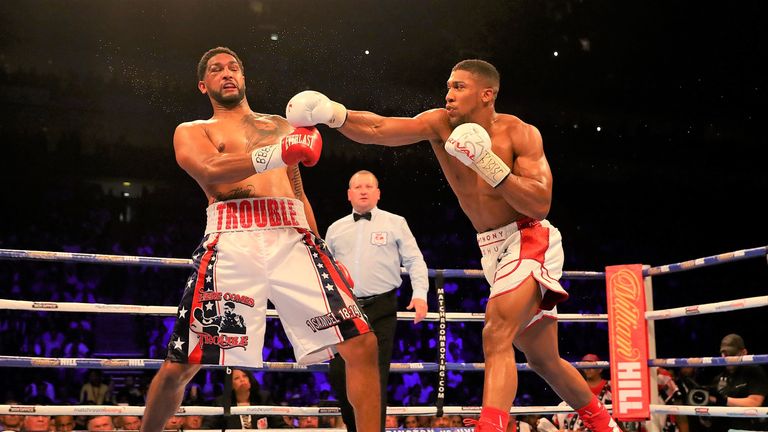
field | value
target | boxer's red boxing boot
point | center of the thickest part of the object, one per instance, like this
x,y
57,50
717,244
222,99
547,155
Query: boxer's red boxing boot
x,y
491,420
596,417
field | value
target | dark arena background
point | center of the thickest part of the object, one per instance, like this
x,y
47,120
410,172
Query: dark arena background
x,y
652,114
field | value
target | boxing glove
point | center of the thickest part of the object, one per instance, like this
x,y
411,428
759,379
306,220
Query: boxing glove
x,y
309,108
302,145
471,144
345,273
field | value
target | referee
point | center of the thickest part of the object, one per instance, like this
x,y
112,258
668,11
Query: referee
x,y
373,244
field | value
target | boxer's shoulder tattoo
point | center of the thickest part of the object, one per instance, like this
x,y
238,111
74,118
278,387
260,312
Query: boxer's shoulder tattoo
x,y
262,130
239,192
296,182
259,131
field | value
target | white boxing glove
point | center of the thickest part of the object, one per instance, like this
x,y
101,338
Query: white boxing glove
x,y
471,144
309,108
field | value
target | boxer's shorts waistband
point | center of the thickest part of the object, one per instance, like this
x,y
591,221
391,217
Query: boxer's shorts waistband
x,y
488,240
252,214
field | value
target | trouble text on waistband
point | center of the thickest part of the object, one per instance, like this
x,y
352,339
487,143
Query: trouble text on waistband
x,y
256,213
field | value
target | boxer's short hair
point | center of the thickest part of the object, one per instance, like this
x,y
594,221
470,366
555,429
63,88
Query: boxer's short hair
x,y
203,64
482,69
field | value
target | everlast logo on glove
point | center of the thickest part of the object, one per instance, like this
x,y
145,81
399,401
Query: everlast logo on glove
x,y
289,140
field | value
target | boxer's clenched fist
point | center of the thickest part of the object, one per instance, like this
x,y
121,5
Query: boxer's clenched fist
x,y
471,144
309,108
302,145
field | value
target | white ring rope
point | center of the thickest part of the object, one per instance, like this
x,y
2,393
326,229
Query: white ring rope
x,y
34,255
710,411
118,410
127,363
707,261
271,313
708,308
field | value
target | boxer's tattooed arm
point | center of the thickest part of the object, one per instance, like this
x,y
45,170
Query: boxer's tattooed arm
x,y
240,192
295,177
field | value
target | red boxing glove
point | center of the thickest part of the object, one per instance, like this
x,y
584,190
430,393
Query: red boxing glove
x,y
302,145
345,273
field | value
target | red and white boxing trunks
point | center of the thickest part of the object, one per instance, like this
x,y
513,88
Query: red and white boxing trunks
x,y
525,248
257,249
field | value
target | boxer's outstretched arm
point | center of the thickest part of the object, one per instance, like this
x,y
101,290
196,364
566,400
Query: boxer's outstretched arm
x,y
370,128
310,108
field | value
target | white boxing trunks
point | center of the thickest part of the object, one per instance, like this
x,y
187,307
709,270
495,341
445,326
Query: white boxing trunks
x,y
254,250
525,248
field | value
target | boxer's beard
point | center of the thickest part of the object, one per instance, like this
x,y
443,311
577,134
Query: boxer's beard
x,y
228,101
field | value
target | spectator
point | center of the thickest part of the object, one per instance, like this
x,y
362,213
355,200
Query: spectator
x,y
174,423
193,422
40,389
411,422
36,423
94,392
64,423
308,422
440,422
245,391
128,423
11,422
738,386
392,422
99,423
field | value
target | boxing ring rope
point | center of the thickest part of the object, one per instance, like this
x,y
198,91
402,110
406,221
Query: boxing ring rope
x,y
707,261
15,361
119,410
76,257
129,363
271,313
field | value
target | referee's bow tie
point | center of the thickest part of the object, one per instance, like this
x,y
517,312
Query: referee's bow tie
x,y
358,216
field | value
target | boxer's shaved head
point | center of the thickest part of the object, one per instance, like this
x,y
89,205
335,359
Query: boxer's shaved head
x,y
485,71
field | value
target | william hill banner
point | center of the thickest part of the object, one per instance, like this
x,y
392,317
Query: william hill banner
x,y
628,340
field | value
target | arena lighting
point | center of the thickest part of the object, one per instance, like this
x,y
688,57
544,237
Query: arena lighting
x,y
273,36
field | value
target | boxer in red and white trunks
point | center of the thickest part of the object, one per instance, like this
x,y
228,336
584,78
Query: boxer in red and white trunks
x,y
495,164
259,245
523,249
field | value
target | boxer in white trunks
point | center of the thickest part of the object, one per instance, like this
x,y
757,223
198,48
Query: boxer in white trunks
x,y
496,166
259,244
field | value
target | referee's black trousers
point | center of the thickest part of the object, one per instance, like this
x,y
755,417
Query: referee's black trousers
x,y
382,314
